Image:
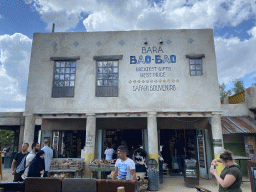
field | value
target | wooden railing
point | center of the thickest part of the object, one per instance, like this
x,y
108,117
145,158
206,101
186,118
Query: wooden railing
x,y
237,98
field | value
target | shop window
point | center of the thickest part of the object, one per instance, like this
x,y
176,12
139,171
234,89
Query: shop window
x,y
107,78
68,144
64,79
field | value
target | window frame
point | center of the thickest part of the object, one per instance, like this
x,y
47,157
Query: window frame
x,y
195,58
57,92
107,91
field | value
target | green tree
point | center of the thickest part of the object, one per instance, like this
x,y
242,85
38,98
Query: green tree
x,y
238,86
223,93
5,138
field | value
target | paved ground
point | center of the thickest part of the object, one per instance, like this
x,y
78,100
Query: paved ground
x,y
172,184
176,184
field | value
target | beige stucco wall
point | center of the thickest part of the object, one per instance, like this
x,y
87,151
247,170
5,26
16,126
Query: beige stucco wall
x,y
193,93
11,118
235,109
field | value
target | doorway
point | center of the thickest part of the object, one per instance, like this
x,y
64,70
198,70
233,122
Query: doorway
x,y
168,138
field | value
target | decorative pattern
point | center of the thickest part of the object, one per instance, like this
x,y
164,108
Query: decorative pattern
x,y
121,42
168,41
54,43
154,81
76,43
190,40
98,43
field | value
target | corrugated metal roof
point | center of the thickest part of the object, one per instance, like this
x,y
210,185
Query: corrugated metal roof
x,y
238,124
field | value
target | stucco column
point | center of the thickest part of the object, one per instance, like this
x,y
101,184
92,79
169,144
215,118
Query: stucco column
x,y
152,136
29,130
218,146
90,142
21,137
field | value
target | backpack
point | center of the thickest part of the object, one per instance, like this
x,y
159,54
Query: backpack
x,y
22,166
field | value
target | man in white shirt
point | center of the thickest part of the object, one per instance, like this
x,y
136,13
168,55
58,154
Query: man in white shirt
x,y
109,152
48,154
124,167
29,158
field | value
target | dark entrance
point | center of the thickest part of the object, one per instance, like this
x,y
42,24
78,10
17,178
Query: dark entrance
x,y
131,137
168,137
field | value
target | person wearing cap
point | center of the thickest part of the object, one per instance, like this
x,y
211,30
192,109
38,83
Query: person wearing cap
x,y
124,167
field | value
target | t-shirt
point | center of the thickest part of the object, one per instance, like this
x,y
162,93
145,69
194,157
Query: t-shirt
x,y
179,145
124,169
235,171
48,154
18,158
109,153
29,158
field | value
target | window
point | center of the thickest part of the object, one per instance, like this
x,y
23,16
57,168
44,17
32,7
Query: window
x,y
64,79
195,66
107,78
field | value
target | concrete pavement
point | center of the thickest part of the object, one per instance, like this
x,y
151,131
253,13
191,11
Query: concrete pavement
x,y
171,183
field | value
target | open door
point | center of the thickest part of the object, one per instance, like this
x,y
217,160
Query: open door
x,y
201,154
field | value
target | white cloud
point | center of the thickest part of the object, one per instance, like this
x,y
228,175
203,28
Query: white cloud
x,y
253,76
143,14
15,57
235,58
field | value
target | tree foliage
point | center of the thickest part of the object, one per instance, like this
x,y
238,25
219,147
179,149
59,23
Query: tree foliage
x,y
223,93
5,138
238,86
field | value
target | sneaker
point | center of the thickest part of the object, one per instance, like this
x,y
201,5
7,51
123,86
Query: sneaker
x,y
180,173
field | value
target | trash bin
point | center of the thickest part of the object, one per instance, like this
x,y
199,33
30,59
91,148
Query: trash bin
x,y
191,176
153,175
8,160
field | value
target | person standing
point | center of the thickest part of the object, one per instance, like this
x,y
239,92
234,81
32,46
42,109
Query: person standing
x,y
230,178
48,156
109,152
29,158
16,161
180,153
37,167
124,167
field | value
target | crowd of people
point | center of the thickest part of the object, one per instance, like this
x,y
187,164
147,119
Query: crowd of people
x,y
32,164
37,164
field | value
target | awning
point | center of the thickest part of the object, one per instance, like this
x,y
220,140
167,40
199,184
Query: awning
x,y
238,124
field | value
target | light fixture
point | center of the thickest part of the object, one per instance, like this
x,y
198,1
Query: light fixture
x,y
145,41
160,40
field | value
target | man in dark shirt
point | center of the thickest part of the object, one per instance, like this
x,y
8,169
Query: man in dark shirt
x,y
180,153
16,161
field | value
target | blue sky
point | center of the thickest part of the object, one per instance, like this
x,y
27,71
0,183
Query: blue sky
x,y
233,22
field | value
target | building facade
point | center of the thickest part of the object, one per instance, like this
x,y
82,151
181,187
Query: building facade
x,y
90,89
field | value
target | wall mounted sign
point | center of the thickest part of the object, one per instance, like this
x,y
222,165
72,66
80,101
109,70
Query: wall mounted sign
x,y
149,71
